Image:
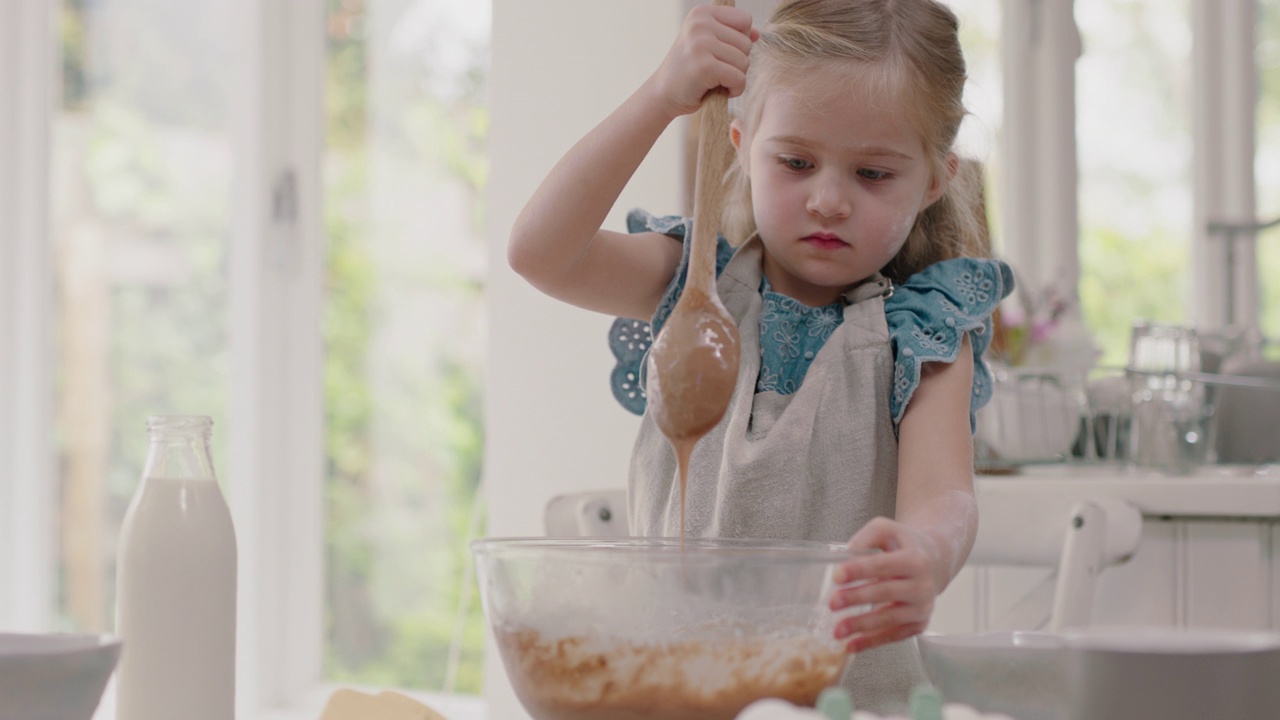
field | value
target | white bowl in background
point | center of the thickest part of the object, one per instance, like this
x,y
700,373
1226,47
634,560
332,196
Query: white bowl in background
x,y
54,676
1121,673
1032,416
1016,673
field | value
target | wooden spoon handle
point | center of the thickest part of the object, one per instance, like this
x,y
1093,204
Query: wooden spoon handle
x,y
715,153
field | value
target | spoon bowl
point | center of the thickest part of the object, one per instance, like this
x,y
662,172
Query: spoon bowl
x,y
694,362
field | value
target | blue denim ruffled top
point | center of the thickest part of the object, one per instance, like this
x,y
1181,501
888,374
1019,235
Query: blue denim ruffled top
x,y
927,317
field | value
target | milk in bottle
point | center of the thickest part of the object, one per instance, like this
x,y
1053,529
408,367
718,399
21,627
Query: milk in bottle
x,y
176,583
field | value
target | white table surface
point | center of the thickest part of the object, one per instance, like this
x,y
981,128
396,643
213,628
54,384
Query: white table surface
x,y
1211,491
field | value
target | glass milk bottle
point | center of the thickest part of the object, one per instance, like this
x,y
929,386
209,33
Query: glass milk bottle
x,y
176,583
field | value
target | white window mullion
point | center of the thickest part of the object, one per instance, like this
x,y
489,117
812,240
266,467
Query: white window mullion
x,y
1058,170
1225,101
276,450
1019,201
26,289
1041,207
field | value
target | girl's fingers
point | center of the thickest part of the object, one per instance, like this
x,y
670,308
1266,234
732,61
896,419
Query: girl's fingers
x,y
731,78
877,593
878,534
716,49
883,566
728,25
862,643
883,619
730,47
733,17
731,56
736,38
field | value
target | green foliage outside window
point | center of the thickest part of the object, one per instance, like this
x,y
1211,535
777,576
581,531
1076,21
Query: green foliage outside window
x,y
402,609
1110,299
1267,164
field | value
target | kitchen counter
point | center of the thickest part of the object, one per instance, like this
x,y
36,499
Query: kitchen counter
x,y
1244,491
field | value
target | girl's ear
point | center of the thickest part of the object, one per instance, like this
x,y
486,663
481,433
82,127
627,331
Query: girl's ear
x,y
738,137
939,184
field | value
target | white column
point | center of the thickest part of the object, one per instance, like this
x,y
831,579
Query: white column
x,y
551,424
1021,201
1041,44
27,498
1224,95
1058,173
276,465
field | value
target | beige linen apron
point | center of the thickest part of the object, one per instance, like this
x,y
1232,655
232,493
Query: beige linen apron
x,y
814,465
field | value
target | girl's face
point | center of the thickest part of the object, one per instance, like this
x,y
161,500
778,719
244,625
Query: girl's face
x,y
837,180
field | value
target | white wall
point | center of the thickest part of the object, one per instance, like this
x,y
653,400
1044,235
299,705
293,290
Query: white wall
x,y
552,426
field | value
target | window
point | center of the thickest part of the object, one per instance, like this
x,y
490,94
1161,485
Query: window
x,y
1157,104
1133,123
223,232
140,189
983,97
404,336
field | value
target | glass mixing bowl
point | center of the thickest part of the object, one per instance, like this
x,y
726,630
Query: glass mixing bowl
x,y
647,628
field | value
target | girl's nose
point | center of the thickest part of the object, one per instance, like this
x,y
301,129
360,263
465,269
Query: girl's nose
x,y
829,199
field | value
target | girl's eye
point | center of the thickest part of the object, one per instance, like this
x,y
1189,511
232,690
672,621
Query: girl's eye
x,y
797,164
870,174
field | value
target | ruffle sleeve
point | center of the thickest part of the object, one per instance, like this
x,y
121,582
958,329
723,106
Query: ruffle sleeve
x,y
928,316
629,339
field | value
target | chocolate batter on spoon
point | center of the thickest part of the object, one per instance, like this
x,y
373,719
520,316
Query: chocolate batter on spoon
x,y
693,364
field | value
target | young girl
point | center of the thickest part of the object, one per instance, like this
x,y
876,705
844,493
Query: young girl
x,y
851,271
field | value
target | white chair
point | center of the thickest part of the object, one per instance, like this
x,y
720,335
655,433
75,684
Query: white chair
x,y
1078,538
595,513
1018,672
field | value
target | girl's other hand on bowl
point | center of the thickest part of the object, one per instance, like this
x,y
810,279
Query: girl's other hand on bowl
x,y
888,582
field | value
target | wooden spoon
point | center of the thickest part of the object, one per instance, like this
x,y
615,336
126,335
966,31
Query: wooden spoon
x,y
693,364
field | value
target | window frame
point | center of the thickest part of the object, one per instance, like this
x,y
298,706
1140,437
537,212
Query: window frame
x,y
1224,126
275,474
26,396
1040,193
1040,44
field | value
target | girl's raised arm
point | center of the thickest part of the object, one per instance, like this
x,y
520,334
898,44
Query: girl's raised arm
x,y
557,243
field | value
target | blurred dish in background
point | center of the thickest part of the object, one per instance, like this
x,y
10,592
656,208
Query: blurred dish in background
x,y
1034,416
54,676
1249,417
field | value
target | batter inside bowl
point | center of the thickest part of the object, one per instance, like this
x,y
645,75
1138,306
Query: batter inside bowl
x,y
576,677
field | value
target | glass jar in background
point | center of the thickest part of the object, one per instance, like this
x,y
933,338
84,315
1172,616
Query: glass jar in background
x,y
176,583
1163,350
1172,413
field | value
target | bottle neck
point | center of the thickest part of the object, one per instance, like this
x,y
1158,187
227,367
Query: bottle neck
x,y
179,447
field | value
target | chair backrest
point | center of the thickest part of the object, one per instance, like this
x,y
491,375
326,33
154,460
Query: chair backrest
x,y
1077,537
594,513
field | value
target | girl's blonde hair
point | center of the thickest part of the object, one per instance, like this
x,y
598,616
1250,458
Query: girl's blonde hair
x,y
906,51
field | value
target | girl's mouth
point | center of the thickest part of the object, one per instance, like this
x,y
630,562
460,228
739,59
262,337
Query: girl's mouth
x,y
826,241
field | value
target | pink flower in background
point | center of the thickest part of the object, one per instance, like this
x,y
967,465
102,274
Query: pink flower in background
x,y
1027,321
1042,330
